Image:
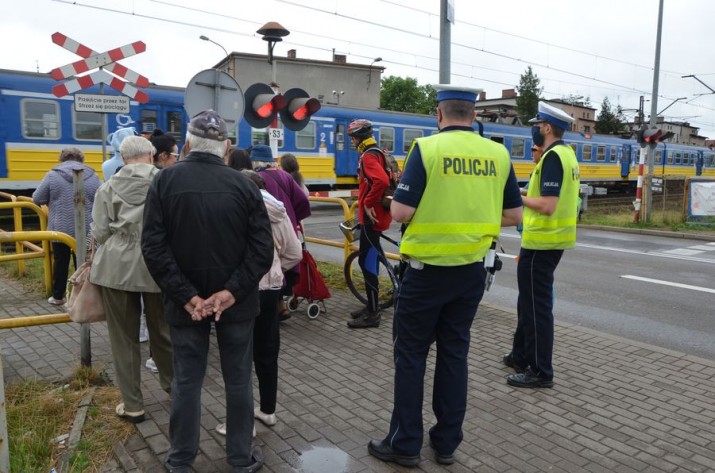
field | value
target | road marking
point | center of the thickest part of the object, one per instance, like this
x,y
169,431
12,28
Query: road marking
x,y
683,252
668,283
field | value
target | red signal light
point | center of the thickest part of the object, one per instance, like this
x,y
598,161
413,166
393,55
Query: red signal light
x,y
266,110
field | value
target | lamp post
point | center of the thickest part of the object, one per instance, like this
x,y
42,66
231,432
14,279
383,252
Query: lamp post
x,y
206,38
272,33
369,71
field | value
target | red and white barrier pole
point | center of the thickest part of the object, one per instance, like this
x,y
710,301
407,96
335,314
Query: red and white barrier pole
x,y
639,188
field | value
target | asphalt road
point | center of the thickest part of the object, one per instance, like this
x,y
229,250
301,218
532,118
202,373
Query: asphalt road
x,y
653,289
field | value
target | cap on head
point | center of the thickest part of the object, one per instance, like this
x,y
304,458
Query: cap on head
x,y
455,92
208,124
262,153
552,115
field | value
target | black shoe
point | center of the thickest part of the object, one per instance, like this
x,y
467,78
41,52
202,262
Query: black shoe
x,y
528,379
356,314
442,459
508,360
382,451
257,455
369,320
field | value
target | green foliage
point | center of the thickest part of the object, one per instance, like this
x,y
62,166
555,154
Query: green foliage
x,y
406,95
609,121
527,102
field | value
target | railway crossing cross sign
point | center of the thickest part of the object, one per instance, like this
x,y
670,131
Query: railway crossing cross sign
x,y
106,61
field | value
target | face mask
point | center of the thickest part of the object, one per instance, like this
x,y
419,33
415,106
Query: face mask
x,y
536,136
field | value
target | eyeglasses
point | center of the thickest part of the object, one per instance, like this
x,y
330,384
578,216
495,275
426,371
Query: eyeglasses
x,y
534,149
175,155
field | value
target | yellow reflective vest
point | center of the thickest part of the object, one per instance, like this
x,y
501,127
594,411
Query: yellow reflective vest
x,y
558,230
459,214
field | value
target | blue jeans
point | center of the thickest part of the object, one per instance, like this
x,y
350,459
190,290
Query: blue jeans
x,y
191,345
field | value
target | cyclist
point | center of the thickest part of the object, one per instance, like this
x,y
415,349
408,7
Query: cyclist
x,y
373,217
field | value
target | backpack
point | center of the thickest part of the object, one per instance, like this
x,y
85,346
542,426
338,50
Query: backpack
x,y
392,169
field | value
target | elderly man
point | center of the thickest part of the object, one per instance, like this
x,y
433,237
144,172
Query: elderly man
x,y
207,242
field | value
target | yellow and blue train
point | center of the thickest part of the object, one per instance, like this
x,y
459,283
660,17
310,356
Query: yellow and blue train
x,y
35,125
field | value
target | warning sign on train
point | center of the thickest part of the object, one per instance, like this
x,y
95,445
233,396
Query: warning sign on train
x,y
101,103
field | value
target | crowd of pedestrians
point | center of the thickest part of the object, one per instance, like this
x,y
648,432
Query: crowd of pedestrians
x,y
209,241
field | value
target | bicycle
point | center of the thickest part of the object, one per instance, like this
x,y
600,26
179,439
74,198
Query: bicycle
x,y
389,274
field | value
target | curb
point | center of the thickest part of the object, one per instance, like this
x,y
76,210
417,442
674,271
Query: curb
x,y
645,231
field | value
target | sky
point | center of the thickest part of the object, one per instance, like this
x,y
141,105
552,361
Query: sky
x,y
577,48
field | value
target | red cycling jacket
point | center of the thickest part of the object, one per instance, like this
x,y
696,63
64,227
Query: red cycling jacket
x,y
373,181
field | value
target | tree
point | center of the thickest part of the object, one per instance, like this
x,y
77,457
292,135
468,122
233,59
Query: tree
x,y
406,95
527,102
608,121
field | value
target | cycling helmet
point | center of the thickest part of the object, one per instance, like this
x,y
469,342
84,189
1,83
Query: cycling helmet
x,y
360,128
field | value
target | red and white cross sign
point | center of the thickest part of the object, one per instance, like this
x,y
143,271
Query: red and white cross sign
x,y
92,60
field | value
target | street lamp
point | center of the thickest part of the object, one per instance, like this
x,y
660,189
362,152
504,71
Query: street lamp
x,y
206,38
369,71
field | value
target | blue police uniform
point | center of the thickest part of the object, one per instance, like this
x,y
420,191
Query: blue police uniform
x,y
436,303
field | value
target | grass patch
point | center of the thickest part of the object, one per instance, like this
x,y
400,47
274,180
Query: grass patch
x,y
33,278
39,412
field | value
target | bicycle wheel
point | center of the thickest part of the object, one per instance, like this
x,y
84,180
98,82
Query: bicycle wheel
x,y
387,282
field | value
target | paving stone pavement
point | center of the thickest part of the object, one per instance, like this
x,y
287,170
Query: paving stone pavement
x,y
617,406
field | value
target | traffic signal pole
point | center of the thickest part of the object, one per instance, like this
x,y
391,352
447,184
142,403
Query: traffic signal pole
x,y
639,188
653,114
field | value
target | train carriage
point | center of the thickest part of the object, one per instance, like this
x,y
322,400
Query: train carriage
x,y
35,125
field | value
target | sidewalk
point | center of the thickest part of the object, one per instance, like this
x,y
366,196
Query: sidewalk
x,y
617,406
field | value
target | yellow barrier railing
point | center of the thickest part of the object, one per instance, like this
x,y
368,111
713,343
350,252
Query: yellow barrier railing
x,y
16,205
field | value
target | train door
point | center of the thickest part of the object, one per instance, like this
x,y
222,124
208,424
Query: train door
x,y
624,158
699,163
346,157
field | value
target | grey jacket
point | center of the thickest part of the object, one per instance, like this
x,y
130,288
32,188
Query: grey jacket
x,y
117,227
57,193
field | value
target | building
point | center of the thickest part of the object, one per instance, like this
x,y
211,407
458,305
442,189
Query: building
x,y
503,110
335,82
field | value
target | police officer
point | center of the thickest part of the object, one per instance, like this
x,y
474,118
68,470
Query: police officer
x,y
551,208
456,192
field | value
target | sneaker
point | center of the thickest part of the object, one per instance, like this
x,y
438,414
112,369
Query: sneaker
x,y
356,314
54,301
151,366
268,419
369,320
221,429
143,331
133,417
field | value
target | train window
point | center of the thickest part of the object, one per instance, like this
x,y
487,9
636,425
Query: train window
x,y
517,148
658,157
612,157
148,120
40,119
677,158
408,136
574,147
259,136
174,125
601,154
305,138
670,157
586,153
88,125
709,160
498,139
387,138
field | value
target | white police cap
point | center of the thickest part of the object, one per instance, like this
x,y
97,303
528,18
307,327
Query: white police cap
x,y
555,116
455,92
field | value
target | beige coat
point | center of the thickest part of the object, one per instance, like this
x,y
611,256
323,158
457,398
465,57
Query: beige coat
x,y
117,219
287,250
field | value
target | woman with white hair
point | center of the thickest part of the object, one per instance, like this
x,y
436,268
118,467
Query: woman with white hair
x,y
119,269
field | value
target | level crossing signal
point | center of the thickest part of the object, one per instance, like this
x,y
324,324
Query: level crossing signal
x,y
263,106
651,136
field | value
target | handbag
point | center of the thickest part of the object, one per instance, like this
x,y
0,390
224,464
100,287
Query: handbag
x,y
85,301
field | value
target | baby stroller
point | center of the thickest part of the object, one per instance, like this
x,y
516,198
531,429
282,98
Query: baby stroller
x,y
310,287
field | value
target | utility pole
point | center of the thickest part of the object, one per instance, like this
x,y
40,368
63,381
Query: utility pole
x,y
446,17
653,113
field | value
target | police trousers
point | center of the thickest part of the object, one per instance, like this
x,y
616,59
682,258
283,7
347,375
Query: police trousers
x,y
435,304
534,336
